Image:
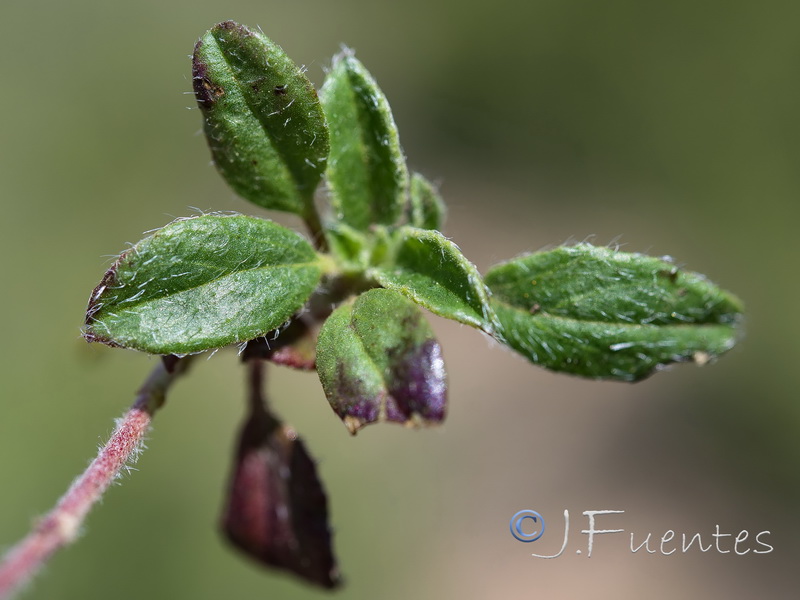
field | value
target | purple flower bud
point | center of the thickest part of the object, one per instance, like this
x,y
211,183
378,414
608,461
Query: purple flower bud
x,y
277,511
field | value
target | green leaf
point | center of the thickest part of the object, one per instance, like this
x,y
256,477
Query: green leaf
x,y
263,120
367,172
426,207
599,313
430,270
349,246
203,283
377,360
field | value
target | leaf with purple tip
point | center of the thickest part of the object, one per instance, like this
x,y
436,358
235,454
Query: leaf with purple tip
x,y
378,360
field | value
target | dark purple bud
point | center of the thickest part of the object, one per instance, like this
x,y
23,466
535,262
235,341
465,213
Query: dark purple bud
x,y
277,511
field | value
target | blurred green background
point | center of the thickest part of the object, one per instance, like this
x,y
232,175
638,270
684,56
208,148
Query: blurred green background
x,y
670,128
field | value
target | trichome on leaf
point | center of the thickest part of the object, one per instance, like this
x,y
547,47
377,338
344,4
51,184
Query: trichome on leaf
x,y
349,302
207,282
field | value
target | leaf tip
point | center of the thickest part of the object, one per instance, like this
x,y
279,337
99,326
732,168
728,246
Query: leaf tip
x,y
345,52
229,25
353,423
701,358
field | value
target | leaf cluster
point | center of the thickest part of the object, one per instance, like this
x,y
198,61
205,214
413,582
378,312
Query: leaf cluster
x,y
349,302
377,257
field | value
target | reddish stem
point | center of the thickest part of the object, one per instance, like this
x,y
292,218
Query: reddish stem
x,y
61,525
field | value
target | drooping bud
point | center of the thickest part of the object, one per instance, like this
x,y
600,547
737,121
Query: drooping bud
x,y
276,510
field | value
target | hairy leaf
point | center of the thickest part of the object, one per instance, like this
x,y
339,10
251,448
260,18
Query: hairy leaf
x,y
430,270
203,283
600,313
426,207
263,120
377,360
367,173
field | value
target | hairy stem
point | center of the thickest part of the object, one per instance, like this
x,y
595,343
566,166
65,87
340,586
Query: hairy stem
x,y
62,524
